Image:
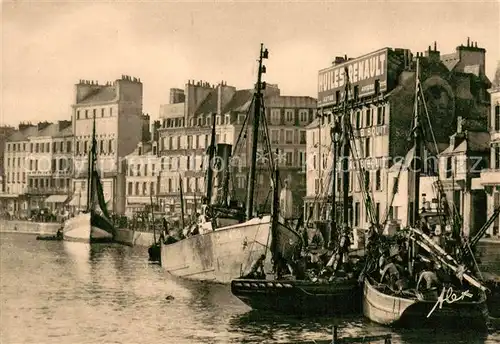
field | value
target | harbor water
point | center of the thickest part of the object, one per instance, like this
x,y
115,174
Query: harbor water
x,y
58,292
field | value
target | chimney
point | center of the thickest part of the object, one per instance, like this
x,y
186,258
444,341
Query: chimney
x,y
459,124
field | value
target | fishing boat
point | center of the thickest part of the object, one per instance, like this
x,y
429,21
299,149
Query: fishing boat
x,y
397,300
340,292
94,224
227,238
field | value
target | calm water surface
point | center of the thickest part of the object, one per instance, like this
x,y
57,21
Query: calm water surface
x,y
55,292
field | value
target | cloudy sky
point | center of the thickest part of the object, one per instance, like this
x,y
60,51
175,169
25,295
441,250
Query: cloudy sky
x,y
48,46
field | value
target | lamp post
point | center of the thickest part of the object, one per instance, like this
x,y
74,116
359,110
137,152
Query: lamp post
x,y
335,133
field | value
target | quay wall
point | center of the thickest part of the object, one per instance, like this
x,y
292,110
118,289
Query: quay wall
x,y
123,236
29,227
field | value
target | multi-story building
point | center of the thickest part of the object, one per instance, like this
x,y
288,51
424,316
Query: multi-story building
x,y
490,178
186,135
380,106
38,162
120,125
5,132
143,175
49,165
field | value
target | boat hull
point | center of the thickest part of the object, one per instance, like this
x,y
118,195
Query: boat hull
x,y
226,253
392,310
81,229
300,297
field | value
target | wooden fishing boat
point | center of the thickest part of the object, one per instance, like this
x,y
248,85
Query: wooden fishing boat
x,y
462,299
383,307
335,295
341,296
225,239
92,225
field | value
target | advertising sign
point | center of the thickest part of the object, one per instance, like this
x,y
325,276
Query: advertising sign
x,y
363,72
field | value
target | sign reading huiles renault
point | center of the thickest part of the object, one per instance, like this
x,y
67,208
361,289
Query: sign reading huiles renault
x,y
365,72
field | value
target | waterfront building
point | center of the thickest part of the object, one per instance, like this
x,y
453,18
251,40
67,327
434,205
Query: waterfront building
x,y
143,168
186,132
490,178
120,126
38,165
380,107
5,132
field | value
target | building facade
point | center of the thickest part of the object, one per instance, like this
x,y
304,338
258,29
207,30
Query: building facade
x,y
186,133
380,108
143,175
117,109
5,132
490,178
38,168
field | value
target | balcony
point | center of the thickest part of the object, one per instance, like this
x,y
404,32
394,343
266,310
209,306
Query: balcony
x,y
46,191
490,177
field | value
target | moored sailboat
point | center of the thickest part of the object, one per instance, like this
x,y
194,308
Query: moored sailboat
x,y
226,239
336,289
92,225
398,267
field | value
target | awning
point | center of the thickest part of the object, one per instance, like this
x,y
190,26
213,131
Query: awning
x,y
56,199
81,201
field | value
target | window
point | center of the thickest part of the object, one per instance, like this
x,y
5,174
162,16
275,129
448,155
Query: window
x,y
377,212
289,158
314,162
146,169
356,214
358,119
169,185
78,114
68,147
178,142
152,188
110,112
497,117
101,147
94,112
85,147
110,146
368,117
381,115
367,147
188,163
86,113
241,118
54,147
289,116
275,136
337,97
302,158
449,162
303,116
102,112
289,136
367,180
137,188
189,142
217,120
497,157
275,116
356,92
144,188
378,180
77,147
130,187
377,87
316,186
227,119
302,137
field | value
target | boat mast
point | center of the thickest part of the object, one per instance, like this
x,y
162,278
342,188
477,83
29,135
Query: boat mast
x,y
333,211
152,218
414,209
255,133
210,172
345,155
182,201
91,168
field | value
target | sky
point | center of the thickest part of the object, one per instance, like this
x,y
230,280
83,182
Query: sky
x,y
47,46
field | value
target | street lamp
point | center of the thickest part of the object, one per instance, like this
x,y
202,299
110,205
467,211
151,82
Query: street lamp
x,y
335,132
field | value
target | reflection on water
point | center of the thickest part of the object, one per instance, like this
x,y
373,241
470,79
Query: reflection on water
x,y
52,292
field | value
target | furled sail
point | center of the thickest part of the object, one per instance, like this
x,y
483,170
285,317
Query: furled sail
x,y
100,214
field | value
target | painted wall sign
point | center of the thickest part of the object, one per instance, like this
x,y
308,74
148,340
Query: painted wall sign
x,y
363,72
372,131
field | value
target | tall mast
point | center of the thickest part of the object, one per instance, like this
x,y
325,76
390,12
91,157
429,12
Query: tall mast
x,y
333,211
90,178
416,159
345,154
210,172
255,133
182,200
